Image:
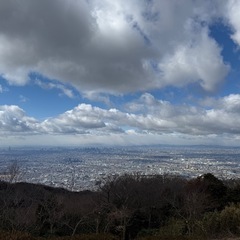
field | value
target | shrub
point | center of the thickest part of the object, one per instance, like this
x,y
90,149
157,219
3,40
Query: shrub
x,y
230,219
225,222
175,227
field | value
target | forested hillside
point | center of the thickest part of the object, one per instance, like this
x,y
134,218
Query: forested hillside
x,y
123,207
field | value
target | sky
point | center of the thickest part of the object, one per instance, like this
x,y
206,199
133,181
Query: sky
x,y
139,72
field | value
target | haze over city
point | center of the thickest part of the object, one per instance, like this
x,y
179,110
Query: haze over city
x,y
119,72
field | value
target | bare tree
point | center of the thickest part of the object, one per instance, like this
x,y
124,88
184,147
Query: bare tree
x,y
13,172
72,222
16,210
49,213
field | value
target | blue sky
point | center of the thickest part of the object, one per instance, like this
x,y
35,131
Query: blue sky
x,y
119,72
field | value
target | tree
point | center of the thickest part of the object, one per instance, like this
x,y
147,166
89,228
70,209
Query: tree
x,y
49,213
13,172
215,188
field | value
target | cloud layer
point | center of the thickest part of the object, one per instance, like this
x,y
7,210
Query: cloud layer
x,y
105,49
149,116
115,47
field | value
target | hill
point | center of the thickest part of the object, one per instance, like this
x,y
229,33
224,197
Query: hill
x,y
124,207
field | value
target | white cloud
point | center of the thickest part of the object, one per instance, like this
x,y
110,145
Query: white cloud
x,y
13,120
117,47
230,11
93,96
111,46
230,103
81,119
50,85
198,61
220,119
160,119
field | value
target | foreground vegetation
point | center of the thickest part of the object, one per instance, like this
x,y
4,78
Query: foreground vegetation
x,y
124,207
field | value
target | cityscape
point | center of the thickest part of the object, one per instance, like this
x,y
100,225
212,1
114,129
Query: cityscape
x,y
81,168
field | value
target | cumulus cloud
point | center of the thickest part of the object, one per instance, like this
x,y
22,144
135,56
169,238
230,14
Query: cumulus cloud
x,y
111,47
230,11
198,61
81,119
160,118
13,120
221,118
